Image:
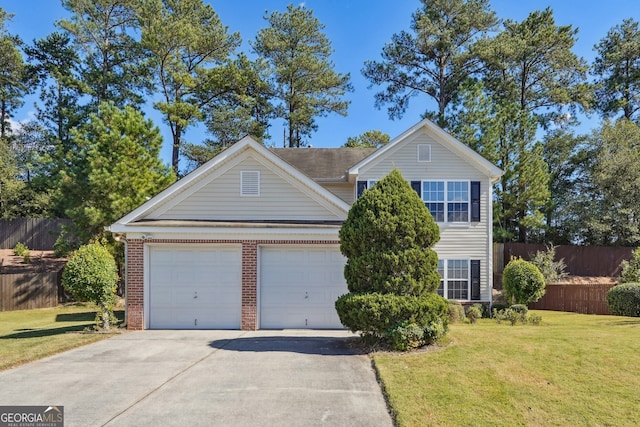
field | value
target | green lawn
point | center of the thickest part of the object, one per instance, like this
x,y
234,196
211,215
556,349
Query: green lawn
x,y
27,335
572,369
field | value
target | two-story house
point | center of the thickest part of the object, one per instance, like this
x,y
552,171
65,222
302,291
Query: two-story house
x,y
250,239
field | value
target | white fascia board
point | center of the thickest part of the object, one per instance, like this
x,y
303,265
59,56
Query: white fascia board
x,y
230,233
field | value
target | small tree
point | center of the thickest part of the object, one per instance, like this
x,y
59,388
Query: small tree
x,y
630,270
91,275
522,282
552,270
391,270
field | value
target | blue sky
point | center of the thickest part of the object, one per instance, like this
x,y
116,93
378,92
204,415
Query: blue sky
x,y
358,29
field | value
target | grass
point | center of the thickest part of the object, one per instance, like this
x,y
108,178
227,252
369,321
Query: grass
x,y
27,335
572,369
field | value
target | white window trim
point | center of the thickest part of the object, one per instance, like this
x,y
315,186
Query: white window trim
x,y
445,279
371,183
446,201
255,182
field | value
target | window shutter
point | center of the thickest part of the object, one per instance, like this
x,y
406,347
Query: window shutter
x,y
417,186
475,279
360,187
475,201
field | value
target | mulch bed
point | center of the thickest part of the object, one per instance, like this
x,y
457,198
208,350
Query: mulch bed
x,y
41,262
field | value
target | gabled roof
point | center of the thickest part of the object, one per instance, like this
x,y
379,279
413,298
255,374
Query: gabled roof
x,y
207,172
323,164
444,138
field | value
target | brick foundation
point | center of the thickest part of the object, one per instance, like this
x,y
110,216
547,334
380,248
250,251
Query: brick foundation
x,y
135,275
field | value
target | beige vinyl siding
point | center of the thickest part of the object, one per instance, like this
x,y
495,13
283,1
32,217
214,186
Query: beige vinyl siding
x,y
457,241
345,191
220,199
444,164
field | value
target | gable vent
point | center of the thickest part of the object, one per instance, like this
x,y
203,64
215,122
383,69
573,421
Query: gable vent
x,y
424,152
249,183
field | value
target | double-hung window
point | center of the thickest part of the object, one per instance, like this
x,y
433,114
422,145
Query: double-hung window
x,y
459,279
450,201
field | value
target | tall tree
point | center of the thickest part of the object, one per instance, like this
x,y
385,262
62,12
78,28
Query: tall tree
x,y
10,185
531,80
368,139
530,63
116,168
612,214
618,68
112,67
303,74
567,157
190,50
13,76
245,110
434,59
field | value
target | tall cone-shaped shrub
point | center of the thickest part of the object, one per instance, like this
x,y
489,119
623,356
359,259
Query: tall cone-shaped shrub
x,y
387,239
391,268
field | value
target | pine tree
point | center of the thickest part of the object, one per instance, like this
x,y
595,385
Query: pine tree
x,y
302,73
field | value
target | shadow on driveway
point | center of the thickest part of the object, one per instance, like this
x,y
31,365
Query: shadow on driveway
x,y
324,346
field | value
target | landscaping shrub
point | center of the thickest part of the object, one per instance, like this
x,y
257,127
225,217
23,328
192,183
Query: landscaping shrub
x,y
522,282
473,314
455,311
498,307
483,309
91,275
624,300
534,319
406,336
552,271
376,313
630,270
391,270
520,308
20,250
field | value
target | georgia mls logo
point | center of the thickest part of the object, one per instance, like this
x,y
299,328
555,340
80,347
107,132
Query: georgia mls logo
x,y
31,416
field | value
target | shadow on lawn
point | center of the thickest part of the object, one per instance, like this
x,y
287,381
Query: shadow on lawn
x,y
88,317
632,321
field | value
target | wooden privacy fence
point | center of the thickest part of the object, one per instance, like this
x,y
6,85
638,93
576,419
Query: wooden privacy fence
x,y
586,299
36,233
30,290
603,261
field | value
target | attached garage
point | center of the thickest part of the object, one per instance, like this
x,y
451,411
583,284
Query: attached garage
x,y
299,286
194,287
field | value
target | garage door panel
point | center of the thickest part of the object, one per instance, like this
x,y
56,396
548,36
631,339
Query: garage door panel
x,y
299,286
195,288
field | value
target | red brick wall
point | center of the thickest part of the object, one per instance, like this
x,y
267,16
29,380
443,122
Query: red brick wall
x,y
135,275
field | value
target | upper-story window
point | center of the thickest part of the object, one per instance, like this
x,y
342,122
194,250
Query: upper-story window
x,y
448,201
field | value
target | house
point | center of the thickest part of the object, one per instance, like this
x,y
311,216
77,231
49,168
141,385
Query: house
x,y
250,239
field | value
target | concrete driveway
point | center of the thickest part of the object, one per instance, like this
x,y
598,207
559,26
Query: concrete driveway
x,y
206,378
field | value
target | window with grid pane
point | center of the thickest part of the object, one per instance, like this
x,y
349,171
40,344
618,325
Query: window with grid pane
x,y
433,196
457,201
457,279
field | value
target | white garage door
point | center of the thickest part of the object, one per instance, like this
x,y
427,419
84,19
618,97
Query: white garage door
x,y
299,287
195,287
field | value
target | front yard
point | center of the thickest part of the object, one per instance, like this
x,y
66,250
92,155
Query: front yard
x,y
27,335
573,369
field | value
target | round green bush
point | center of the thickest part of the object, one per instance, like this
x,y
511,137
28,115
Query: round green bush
x,y
473,314
456,311
375,313
522,282
624,300
91,275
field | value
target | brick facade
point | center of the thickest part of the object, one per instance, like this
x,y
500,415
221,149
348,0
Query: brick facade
x,y
135,275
